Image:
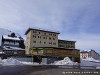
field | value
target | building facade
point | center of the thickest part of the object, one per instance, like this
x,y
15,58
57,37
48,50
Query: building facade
x,y
94,54
40,38
45,44
66,44
84,54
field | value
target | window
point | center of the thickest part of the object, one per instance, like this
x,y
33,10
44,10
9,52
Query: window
x,y
49,38
39,32
34,32
50,34
44,33
50,42
40,41
34,41
38,36
53,38
44,42
43,37
34,36
54,43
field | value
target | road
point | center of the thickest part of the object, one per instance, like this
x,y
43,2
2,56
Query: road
x,y
45,70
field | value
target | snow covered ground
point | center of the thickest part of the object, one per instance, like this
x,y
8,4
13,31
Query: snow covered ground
x,y
65,61
90,62
12,61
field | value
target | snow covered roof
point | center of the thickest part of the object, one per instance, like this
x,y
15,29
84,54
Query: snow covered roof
x,y
11,38
84,51
12,48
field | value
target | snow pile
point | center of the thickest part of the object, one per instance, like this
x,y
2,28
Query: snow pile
x,y
10,61
65,61
30,63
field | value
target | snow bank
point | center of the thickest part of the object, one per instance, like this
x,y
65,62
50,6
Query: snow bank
x,y
65,61
12,61
89,62
92,60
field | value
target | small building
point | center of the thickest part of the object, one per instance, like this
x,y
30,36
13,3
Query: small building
x,y
89,54
12,44
84,54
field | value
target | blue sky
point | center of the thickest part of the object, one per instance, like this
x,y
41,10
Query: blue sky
x,y
77,20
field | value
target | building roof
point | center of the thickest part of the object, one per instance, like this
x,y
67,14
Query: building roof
x,y
12,48
10,38
66,40
84,52
40,30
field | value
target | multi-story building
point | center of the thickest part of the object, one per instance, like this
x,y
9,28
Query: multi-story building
x,y
12,44
94,54
40,38
66,44
45,43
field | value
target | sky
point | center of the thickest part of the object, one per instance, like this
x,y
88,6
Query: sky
x,y
77,20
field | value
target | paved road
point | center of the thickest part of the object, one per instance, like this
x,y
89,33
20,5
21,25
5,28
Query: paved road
x,y
45,70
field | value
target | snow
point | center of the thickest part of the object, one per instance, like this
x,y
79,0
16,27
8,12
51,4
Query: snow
x,y
12,38
89,62
12,48
17,48
65,61
12,61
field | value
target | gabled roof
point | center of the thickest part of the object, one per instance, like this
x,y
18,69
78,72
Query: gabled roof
x,y
10,38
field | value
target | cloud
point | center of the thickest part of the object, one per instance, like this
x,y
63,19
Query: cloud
x,y
75,19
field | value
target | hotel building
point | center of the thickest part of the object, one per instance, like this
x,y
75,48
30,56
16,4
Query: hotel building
x,y
45,44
